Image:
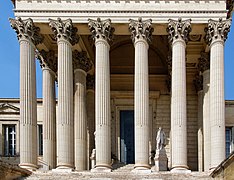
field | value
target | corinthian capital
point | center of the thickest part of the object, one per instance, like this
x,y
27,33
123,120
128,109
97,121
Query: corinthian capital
x,y
101,29
26,29
141,29
90,82
81,61
204,62
179,29
64,30
47,59
217,30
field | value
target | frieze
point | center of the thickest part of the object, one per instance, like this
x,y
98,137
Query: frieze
x,y
217,30
81,61
64,29
101,29
178,29
26,29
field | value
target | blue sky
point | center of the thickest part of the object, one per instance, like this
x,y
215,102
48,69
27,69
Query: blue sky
x,y
9,59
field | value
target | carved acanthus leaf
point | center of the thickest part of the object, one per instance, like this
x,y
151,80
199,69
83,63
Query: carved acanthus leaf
x,y
47,59
64,29
81,61
198,82
141,29
90,82
204,62
179,29
26,29
217,30
101,29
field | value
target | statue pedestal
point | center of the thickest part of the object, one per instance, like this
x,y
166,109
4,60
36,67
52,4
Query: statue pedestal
x,y
160,160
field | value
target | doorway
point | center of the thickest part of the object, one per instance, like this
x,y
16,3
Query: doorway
x,y
127,145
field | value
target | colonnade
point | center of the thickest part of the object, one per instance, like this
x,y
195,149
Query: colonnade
x,y
70,147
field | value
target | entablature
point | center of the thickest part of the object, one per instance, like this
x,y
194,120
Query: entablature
x,y
120,11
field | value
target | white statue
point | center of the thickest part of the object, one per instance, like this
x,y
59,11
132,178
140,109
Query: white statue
x,y
160,139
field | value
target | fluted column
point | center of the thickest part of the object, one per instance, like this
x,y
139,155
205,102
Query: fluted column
x,y
90,103
28,37
81,65
216,35
66,36
102,34
178,34
204,67
198,82
48,64
141,35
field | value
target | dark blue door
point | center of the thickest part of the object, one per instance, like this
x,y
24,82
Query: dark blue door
x,y
127,136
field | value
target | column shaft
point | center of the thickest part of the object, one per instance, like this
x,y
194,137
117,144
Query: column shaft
x,y
65,123
141,102
49,118
28,106
200,130
178,106
217,103
102,105
80,120
91,119
206,118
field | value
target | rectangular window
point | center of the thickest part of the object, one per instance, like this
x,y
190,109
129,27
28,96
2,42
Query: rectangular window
x,y
9,140
229,140
40,140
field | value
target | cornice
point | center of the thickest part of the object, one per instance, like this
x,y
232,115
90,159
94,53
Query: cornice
x,y
121,11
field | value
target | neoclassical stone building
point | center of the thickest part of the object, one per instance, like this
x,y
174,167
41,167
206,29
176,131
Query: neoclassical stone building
x,y
123,69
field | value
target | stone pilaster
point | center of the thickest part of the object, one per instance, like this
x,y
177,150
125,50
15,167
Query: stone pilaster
x,y
91,112
216,34
178,36
204,68
102,34
198,82
141,35
66,36
81,65
48,64
28,36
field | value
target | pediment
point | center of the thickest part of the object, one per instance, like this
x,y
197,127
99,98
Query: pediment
x,y
8,108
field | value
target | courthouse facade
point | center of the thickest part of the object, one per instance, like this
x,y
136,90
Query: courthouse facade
x,y
123,69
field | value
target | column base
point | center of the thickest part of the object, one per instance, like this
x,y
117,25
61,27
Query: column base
x,y
64,168
102,168
180,169
28,166
142,168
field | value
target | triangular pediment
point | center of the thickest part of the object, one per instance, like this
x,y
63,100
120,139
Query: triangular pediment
x,y
8,108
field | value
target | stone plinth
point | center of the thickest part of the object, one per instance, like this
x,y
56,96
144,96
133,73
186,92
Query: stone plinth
x,y
160,160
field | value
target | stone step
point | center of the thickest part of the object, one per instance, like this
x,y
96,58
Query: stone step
x,y
87,175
